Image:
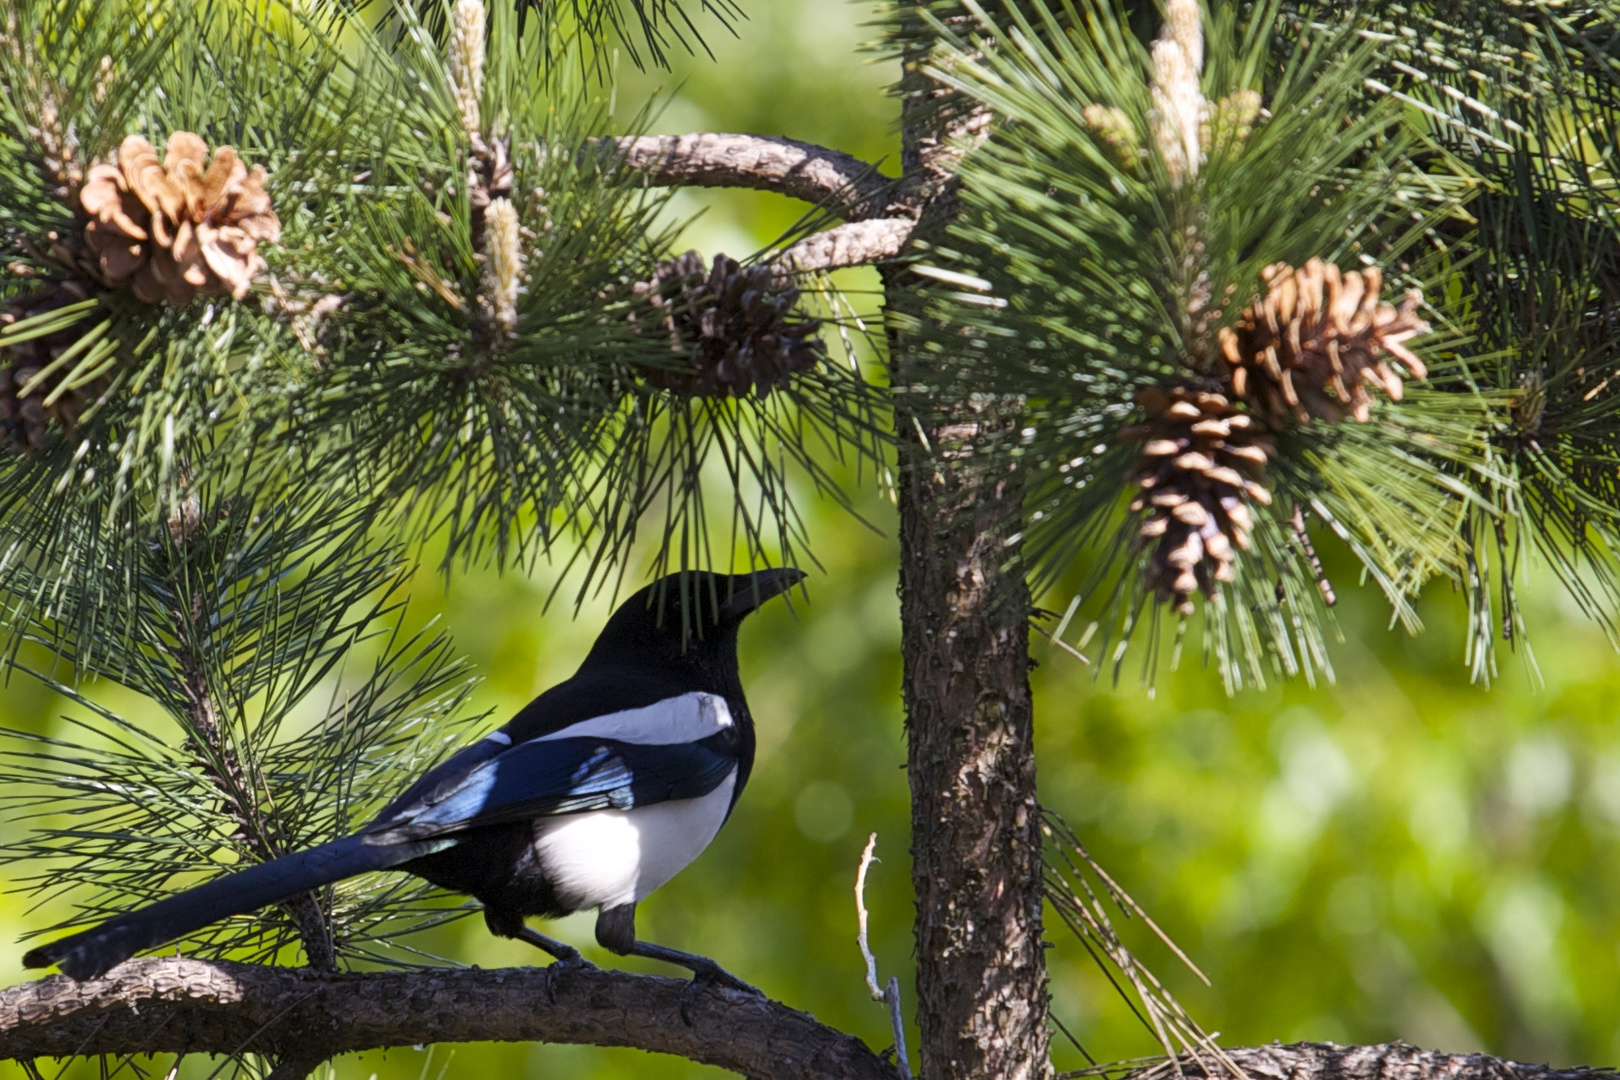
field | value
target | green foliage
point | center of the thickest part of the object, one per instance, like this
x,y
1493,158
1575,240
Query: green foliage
x,y
196,566
1087,269
653,472
1401,855
410,396
1528,99
588,29
242,621
367,359
661,23
81,77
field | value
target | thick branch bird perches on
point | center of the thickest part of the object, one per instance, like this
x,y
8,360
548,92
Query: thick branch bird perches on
x,y
171,1005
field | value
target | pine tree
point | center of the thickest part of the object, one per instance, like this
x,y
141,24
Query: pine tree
x,y
294,294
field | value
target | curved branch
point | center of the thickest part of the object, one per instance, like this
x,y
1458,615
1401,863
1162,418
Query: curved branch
x,y
859,243
845,184
1326,1061
173,1005
838,181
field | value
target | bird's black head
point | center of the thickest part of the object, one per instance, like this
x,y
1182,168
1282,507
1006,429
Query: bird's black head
x,y
688,620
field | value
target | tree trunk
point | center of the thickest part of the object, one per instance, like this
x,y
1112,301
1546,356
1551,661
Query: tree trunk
x,y
975,841
964,611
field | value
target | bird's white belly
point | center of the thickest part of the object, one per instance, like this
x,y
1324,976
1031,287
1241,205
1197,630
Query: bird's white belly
x,y
604,858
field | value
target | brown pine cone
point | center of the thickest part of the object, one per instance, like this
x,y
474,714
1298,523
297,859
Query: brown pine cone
x,y
1202,465
177,228
736,326
31,407
1318,341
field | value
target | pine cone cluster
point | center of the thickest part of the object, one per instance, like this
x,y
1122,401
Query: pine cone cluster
x,y
179,227
1318,342
1201,466
31,407
735,324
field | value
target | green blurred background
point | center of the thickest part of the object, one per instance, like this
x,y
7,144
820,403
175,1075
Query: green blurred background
x,y
1397,855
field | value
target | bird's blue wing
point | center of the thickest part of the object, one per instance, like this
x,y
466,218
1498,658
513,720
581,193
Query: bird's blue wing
x,y
547,777
449,772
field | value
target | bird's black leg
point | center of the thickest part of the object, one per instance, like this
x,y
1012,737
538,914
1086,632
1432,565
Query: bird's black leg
x,y
508,925
702,968
616,932
564,952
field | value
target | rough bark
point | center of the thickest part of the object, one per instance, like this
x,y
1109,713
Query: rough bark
x,y
842,183
859,243
179,1006
1388,1061
976,845
964,610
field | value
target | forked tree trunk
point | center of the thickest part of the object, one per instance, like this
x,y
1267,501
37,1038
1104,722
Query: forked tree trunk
x,y
964,610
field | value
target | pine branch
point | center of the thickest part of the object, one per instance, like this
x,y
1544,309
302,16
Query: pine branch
x,y
213,752
1327,1061
832,179
855,244
829,178
175,1005
239,619
221,764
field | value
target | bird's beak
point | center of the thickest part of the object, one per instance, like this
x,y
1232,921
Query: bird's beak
x,y
756,588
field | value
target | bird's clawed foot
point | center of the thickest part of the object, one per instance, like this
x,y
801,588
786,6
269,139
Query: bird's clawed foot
x,y
713,974
571,963
616,932
562,966
566,957
707,975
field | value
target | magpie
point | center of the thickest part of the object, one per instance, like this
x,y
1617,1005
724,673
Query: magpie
x,y
599,791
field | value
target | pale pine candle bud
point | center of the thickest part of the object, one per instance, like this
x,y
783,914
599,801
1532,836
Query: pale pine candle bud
x,y
503,268
467,24
1178,101
1114,127
1184,24
1230,121
104,81
1178,108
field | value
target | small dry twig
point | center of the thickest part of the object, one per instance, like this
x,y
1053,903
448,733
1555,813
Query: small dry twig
x,y
890,994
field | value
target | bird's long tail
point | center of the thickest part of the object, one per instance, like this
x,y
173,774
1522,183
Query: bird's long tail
x,y
92,952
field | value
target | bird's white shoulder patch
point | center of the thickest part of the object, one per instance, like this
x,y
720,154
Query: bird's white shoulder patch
x,y
682,719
